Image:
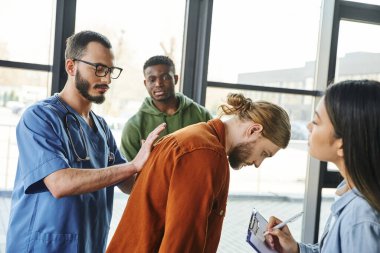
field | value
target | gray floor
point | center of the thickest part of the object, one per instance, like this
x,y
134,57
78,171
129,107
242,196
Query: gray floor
x,y
234,231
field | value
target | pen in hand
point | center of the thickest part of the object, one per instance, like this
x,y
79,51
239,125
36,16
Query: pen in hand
x,y
282,224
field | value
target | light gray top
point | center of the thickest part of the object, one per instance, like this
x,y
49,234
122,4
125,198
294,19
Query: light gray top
x,y
353,226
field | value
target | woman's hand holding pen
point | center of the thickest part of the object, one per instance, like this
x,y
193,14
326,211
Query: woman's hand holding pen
x,y
280,240
144,152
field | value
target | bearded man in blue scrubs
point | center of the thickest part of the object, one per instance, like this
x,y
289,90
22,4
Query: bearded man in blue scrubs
x,y
68,159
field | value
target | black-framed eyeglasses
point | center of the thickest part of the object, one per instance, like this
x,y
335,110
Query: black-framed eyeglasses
x,y
102,70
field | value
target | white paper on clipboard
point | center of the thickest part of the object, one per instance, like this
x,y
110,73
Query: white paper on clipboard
x,y
257,227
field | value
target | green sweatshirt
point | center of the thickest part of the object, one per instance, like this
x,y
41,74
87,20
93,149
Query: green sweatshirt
x,y
148,117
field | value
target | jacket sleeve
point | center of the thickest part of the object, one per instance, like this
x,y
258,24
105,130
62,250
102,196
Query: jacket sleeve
x,y
42,150
130,141
308,248
195,183
362,237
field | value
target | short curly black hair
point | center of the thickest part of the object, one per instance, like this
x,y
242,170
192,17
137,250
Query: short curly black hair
x,y
157,60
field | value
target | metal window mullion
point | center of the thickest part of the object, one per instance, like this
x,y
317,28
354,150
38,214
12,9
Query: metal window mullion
x,y
196,49
310,224
64,27
250,87
25,65
359,12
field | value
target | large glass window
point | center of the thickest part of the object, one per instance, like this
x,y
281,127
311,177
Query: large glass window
x,y
270,43
26,31
25,37
358,54
19,89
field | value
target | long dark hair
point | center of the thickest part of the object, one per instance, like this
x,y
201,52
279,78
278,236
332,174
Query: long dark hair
x,y
354,110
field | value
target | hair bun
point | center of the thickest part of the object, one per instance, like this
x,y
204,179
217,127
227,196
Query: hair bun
x,y
239,102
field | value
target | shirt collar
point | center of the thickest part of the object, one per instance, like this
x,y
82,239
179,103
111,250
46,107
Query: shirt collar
x,y
345,199
218,126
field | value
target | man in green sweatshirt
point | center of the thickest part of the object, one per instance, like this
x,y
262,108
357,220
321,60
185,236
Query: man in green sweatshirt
x,y
163,105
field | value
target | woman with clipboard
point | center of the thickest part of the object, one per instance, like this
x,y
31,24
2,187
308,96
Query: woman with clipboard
x,y
345,131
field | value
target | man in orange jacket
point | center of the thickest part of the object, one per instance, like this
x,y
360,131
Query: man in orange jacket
x,y
178,202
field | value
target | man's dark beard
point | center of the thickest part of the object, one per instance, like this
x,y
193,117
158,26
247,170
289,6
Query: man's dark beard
x,y
83,86
239,155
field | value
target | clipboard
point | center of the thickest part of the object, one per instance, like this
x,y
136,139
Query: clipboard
x,y
256,228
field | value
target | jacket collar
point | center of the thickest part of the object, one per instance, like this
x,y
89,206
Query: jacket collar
x,y
345,199
218,126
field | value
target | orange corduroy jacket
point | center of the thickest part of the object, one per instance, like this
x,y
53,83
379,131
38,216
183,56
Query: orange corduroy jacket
x,y
179,200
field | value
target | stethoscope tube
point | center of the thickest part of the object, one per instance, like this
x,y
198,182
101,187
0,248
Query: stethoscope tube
x,y
111,156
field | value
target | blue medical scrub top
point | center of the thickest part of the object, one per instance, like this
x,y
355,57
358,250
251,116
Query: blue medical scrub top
x,y
38,221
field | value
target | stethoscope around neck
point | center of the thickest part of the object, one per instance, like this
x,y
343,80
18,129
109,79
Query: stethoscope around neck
x,y
111,155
